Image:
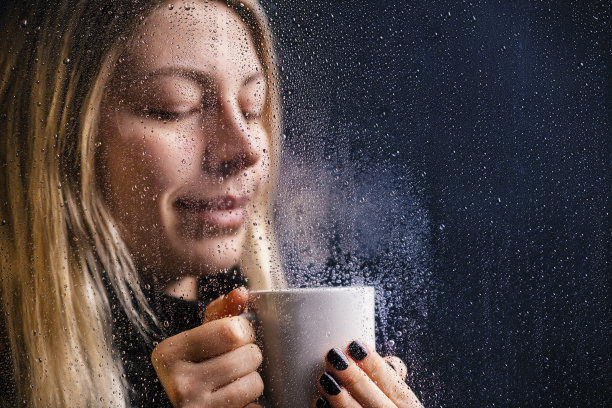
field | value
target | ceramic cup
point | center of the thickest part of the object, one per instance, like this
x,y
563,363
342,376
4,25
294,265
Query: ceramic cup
x,y
297,327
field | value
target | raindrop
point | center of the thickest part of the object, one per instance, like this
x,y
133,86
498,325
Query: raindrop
x,y
170,6
66,61
23,23
166,324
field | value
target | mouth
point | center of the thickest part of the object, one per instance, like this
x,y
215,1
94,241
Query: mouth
x,y
222,212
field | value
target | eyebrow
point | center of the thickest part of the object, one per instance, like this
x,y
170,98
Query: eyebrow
x,y
198,76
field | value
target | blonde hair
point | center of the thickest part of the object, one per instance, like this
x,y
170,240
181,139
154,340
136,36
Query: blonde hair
x,y
62,260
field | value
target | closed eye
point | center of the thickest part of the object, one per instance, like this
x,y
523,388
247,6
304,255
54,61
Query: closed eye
x,y
163,115
252,115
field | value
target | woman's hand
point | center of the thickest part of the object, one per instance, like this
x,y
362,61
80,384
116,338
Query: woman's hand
x,y
360,377
215,364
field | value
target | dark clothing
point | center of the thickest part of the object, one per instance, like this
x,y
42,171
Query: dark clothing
x,y
7,385
175,315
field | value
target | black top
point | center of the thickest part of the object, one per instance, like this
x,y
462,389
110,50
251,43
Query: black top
x,y
175,315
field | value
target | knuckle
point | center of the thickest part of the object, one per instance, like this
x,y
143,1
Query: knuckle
x,y
398,366
258,384
182,385
185,391
159,355
352,378
396,362
235,331
379,370
255,353
253,386
181,388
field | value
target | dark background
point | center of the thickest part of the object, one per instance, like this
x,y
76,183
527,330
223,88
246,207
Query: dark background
x,y
499,115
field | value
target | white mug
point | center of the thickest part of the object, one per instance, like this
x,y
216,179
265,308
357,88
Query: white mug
x,y
297,327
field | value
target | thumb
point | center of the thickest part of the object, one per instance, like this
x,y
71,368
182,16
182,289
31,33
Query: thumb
x,y
231,304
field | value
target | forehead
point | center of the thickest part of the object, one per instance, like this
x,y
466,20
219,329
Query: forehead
x,y
204,37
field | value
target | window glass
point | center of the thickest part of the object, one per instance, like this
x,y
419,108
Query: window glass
x,y
187,189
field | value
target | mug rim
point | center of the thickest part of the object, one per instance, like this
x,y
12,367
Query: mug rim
x,y
312,289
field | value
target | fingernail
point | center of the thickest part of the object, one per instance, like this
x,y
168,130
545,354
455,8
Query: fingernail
x,y
337,359
357,350
329,384
322,402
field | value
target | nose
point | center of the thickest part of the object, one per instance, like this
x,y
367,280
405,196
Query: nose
x,y
231,148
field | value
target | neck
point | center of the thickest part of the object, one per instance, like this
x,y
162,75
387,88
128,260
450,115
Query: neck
x,y
184,288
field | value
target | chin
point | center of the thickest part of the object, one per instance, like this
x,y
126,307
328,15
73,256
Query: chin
x,y
212,255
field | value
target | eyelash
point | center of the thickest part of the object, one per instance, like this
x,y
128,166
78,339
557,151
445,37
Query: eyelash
x,y
163,115
251,116
167,116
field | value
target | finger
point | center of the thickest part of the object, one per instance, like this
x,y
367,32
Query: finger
x,y
253,406
398,365
383,375
205,341
334,393
321,402
231,304
222,370
240,392
355,381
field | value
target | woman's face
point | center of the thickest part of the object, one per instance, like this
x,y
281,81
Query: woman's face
x,y
182,149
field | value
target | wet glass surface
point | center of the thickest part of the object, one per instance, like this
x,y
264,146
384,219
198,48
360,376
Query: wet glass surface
x,y
455,156
460,154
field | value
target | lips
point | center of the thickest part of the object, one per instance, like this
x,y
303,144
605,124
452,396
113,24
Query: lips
x,y
222,212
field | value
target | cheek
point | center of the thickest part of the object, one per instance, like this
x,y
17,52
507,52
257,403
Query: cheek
x,y
152,160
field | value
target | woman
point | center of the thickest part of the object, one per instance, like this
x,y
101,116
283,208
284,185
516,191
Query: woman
x,y
140,146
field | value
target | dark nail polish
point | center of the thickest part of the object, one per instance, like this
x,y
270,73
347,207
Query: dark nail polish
x,y
357,350
322,402
337,359
329,384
